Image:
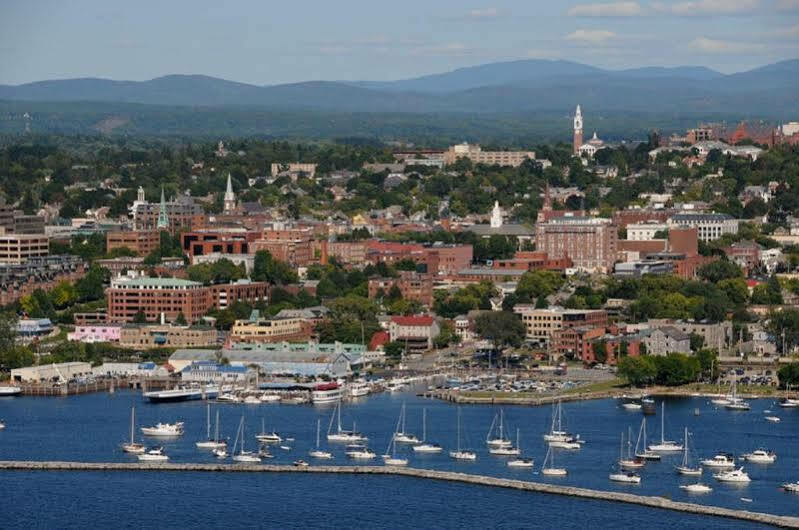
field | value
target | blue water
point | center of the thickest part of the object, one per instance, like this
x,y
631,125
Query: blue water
x,y
90,428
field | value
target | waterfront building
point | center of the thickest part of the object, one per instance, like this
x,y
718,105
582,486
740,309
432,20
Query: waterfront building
x,y
415,332
51,372
540,324
31,328
213,372
590,242
167,336
256,329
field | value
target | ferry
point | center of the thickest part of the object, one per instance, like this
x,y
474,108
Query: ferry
x,y
182,394
8,391
326,393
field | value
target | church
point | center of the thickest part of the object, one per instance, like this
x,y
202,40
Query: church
x,y
589,148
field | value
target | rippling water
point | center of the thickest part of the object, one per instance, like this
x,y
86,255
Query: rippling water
x,y
90,428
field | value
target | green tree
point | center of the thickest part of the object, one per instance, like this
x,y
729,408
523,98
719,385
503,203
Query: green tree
x,y
501,328
180,320
140,317
394,349
719,270
789,376
536,284
638,371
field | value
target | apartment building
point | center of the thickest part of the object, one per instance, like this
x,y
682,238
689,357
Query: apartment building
x,y
710,226
416,332
591,243
413,286
542,323
259,330
18,248
142,242
476,154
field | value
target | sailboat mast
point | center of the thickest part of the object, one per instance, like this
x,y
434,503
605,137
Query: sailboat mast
x,y
318,426
208,422
132,421
424,424
662,420
216,429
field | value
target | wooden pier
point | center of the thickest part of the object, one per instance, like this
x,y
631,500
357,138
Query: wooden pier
x,y
537,487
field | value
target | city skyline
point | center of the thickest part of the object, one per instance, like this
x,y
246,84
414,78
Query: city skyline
x,y
270,44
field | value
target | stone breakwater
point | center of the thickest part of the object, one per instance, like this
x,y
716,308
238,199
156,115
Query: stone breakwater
x,y
537,487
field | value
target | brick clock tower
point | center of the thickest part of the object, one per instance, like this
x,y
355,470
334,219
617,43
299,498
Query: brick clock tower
x,y
578,130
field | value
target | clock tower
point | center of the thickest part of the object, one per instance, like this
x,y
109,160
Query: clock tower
x,y
578,130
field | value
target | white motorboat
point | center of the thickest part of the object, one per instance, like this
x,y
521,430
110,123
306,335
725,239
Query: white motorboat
x,y
685,467
269,398
720,401
788,403
760,456
2,425
359,388
341,435
164,430
402,436
733,475
696,488
228,397
252,400
361,453
301,463
215,442
644,453
263,452
9,391
319,453
773,419
631,405
630,462
521,462
551,470
182,394
628,477
720,461
247,457
268,437
396,386
221,452
156,454
496,438
793,487
462,454
665,446
132,446
565,444
425,446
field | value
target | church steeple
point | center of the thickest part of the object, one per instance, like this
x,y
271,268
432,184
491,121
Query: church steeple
x,y
578,130
163,219
230,197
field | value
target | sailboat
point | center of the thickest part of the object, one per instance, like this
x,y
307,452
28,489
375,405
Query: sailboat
x,y
390,458
621,475
685,467
559,438
462,454
133,447
552,471
520,462
736,403
402,436
341,435
508,450
268,437
644,453
318,453
211,443
220,451
631,462
243,456
500,440
664,446
425,446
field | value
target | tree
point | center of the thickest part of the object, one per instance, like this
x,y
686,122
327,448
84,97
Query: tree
x,y
638,371
180,320
787,322
789,376
718,270
537,284
502,328
8,330
708,362
394,349
140,317
697,341
600,348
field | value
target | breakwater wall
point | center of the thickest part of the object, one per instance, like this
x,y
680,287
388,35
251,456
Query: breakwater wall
x,y
537,487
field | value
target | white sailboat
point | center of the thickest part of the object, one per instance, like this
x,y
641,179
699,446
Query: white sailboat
x,y
390,458
268,437
318,453
631,462
403,436
425,446
665,446
520,461
211,443
551,471
644,453
559,438
499,440
462,454
736,403
508,450
621,475
243,456
132,446
220,451
341,435
685,467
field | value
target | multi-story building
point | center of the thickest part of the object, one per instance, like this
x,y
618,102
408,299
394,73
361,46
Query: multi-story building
x,y
591,243
217,241
172,296
716,335
575,342
478,156
345,252
142,242
710,226
293,168
257,329
746,254
181,213
645,231
416,332
532,261
28,224
412,285
169,266
291,244
540,324
166,336
665,340
437,259
18,248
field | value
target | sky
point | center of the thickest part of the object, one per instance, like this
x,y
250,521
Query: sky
x,y
273,41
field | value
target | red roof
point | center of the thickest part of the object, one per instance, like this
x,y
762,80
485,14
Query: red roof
x,y
752,283
378,339
413,321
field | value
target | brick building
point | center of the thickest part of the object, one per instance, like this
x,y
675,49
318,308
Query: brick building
x,y
142,242
219,241
540,324
18,248
21,279
292,244
591,243
532,261
478,156
412,285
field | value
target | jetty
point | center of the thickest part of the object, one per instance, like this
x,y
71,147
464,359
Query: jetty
x,y
784,521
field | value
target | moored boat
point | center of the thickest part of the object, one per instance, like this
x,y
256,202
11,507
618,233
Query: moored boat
x,y
164,430
760,456
721,460
733,475
696,488
156,454
182,394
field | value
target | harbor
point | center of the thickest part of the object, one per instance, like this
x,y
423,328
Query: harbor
x,y
536,487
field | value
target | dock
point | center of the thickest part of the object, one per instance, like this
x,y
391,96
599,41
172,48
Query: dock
x,y
783,521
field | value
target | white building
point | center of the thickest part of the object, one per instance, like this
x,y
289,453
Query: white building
x,y
644,231
51,372
710,226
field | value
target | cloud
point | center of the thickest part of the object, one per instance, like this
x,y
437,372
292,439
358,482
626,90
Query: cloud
x,y
708,7
487,12
788,5
613,9
706,45
591,36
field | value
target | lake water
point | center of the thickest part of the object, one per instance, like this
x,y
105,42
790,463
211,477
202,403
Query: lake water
x,y
91,427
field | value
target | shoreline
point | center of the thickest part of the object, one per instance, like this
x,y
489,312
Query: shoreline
x,y
784,521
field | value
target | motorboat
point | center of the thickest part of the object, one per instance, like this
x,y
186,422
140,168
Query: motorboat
x,y
164,430
721,460
773,419
696,488
263,452
132,447
9,391
2,425
269,398
319,453
252,400
787,403
665,446
565,444
228,397
268,437
648,406
182,394
521,462
359,389
301,463
685,467
155,454
361,453
760,456
733,475
459,453
628,477
220,452
285,447
793,487
631,405
341,435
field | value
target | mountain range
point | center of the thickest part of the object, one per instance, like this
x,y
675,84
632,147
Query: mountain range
x,y
533,85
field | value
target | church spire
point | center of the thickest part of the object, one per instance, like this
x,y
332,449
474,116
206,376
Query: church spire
x,y
163,219
578,130
230,197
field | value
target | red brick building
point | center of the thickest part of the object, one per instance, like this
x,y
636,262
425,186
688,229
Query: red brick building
x,y
591,243
412,285
142,242
203,242
533,261
294,245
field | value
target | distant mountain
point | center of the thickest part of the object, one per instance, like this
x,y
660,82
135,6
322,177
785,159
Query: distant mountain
x,y
519,86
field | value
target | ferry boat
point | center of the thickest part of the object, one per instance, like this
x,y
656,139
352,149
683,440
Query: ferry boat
x,y
164,429
8,391
182,394
326,393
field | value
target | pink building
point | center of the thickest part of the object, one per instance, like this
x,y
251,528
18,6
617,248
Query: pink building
x,y
99,333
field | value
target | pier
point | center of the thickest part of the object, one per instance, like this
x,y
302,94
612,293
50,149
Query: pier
x,y
536,487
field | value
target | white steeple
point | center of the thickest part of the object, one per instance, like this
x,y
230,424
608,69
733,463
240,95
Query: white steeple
x,y
230,197
496,216
578,119
140,195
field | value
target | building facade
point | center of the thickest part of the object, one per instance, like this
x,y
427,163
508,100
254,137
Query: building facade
x,y
540,324
19,248
478,156
591,243
710,226
142,242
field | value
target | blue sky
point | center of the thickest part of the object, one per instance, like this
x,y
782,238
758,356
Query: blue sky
x,y
269,41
